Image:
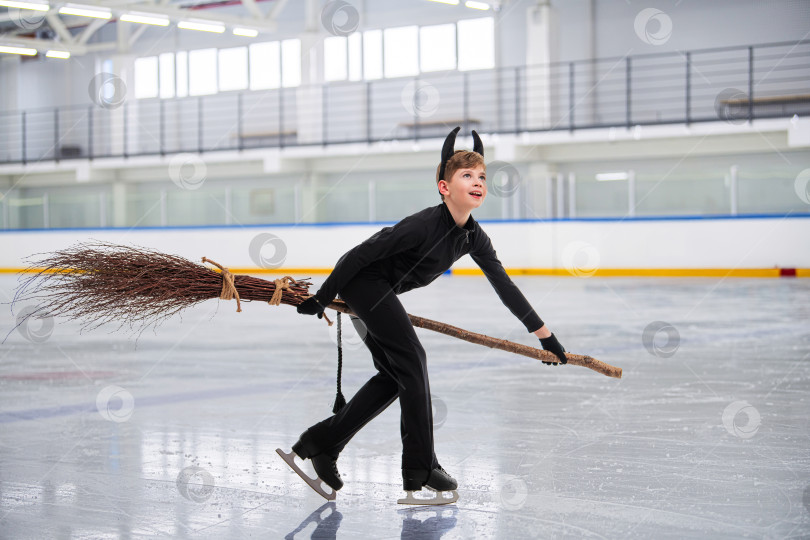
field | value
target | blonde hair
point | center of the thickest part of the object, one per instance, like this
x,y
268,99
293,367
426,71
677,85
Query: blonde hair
x,y
461,159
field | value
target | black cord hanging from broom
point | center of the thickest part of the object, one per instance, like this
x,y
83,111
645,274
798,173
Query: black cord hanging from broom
x,y
340,401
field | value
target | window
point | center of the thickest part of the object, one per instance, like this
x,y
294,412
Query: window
x,y
181,66
355,57
146,77
202,72
335,60
265,66
400,51
476,44
233,69
166,61
372,54
437,47
291,63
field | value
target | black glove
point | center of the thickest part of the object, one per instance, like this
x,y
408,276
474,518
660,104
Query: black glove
x,y
551,344
311,306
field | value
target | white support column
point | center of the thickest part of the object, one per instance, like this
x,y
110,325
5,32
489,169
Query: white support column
x,y
538,59
560,196
310,94
9,85
123,67
309,197
9,82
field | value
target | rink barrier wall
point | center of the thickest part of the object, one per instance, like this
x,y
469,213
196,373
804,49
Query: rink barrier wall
x,y
713,246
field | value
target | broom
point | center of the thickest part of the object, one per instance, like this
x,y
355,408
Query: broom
x,y
104,283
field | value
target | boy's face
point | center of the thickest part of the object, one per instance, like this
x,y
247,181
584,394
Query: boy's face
x,y
466,189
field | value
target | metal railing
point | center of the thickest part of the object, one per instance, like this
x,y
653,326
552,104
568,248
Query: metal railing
x,y
732,84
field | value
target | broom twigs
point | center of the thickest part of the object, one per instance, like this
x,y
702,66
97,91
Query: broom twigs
x,y
501,344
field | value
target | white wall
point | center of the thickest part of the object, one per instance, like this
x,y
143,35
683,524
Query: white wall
x,y
691,243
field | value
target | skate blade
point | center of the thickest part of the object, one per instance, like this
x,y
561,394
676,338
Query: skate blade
x,y
315,483
437,499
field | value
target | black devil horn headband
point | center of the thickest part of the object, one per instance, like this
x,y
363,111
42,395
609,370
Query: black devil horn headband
x,y
449,144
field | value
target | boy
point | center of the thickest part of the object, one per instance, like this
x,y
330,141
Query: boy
x,y
411,254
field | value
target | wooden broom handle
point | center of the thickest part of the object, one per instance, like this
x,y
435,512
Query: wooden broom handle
x,y
502,344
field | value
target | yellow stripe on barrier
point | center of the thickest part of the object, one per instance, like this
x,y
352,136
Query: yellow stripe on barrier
x,y
643,272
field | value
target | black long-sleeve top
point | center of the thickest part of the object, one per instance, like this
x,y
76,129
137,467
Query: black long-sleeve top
x,y
420,248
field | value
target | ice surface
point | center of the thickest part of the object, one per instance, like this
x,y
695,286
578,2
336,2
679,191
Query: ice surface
x,y
706,436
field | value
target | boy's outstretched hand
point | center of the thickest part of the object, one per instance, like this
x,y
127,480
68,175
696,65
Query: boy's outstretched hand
x,y
551,344
311,306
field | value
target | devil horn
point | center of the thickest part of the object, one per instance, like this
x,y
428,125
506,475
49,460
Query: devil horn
x,y
448,149
478,146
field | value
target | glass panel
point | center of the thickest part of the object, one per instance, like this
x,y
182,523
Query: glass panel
x,y
355,57
437,47
203,206
167,75
143,209
341,198
26,212
596,198
476,44
291,63
67,210
335,66
264,204
372,54
662,195
181,59
265,66
773,183
202,71
233,69
401,46
146,77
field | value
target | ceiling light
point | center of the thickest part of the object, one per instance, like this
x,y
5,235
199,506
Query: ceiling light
x,y
18,50
451,2
603,177
201,26
247,32
476,5
26,5
144,18
58,54
85,11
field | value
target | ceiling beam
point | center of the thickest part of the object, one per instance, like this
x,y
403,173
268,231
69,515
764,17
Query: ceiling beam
x,y
254,10
59,27
275,11
91,29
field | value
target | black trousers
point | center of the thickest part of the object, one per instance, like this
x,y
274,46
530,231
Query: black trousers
x,y
401,373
